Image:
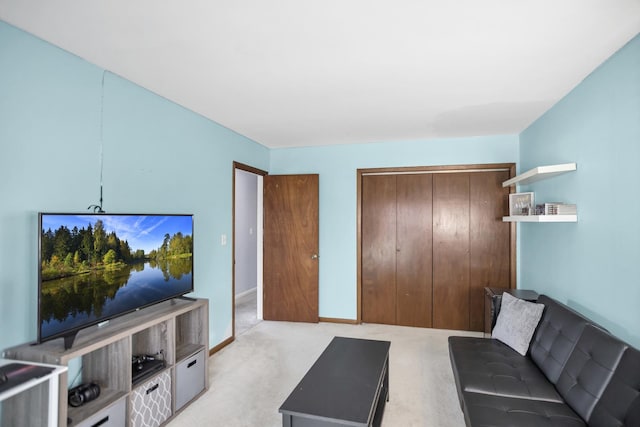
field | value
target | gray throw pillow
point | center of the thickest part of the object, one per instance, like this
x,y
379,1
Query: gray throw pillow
x,y
517,322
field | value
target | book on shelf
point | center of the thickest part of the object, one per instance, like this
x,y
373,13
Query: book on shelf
x,y
556,208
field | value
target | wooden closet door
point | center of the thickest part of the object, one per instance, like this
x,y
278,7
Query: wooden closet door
x,y
414,250
490,257
451,251
379,249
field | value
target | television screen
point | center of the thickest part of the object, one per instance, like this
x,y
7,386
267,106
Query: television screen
x,y
94,267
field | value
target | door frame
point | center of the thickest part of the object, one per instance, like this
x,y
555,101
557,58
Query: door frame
x,y
260,173
511,167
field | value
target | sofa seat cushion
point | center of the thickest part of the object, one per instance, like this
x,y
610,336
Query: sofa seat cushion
x,y
499,411
488,366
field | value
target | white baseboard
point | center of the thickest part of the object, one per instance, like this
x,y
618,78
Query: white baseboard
x,y
245,293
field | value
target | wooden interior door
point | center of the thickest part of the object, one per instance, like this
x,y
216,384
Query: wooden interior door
x,y
414,250
379,249
451,251
291,235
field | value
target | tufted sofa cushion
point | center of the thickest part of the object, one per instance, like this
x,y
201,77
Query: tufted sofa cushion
x,y
556,336
488,411
491,367
589,369
619,404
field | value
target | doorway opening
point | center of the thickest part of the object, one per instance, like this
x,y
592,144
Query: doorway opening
x,y
247,247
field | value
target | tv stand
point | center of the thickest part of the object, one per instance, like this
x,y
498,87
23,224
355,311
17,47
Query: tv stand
x,y
179,329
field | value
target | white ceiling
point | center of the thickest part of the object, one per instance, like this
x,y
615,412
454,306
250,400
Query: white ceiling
x,y
319,72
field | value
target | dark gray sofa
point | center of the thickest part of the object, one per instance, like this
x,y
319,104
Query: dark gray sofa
x,y
575,374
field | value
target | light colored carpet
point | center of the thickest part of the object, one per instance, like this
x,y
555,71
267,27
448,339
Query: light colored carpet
x,y
251,378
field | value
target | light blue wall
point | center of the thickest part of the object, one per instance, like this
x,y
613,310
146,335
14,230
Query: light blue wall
x,y
337,166
592,265
158,158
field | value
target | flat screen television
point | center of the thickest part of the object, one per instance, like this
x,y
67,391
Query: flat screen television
x,y
95,267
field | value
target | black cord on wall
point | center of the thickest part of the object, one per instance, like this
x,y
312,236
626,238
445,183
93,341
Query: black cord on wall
x,y
98,208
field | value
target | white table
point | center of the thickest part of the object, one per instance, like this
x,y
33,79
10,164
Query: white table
x,y
52,378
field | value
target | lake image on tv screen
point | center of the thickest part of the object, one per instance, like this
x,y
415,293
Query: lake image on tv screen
x,y
94,267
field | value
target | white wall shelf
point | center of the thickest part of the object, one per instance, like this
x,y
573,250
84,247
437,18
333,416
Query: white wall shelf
x,y
540,218
539,173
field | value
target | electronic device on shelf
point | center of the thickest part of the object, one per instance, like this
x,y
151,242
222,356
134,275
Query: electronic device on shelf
x,y
95,267
144,366
83,393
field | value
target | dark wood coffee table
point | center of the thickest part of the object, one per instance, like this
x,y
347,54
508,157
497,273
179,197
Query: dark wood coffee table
x,y
347,386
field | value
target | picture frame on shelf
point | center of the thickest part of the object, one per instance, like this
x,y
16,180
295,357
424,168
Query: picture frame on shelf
x,y
521,204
